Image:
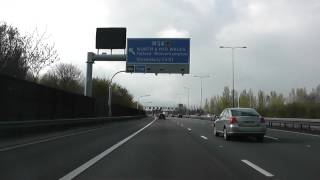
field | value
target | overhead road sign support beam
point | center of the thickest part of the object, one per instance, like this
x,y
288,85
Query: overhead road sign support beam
x,y
91,58
109,57
88,82
106,38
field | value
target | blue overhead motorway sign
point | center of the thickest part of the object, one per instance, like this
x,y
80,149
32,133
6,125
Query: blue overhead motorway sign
x,y
158,55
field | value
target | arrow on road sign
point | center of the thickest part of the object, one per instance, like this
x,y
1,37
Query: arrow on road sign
x,y
132,51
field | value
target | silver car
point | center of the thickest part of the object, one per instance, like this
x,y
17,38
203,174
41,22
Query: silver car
x,y
240,122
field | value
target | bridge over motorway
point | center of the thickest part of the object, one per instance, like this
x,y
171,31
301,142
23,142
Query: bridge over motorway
x,y
163,108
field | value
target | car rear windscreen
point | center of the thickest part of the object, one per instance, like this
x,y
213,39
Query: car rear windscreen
x,y
244,112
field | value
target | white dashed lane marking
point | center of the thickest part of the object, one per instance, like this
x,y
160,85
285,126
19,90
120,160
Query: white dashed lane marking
x,y
257,168
204,137
94,160
270,137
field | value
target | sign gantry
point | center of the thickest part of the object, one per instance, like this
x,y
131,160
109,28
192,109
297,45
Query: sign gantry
x,y
144,55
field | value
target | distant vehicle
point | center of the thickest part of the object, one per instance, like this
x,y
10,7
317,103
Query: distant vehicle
x,y
240,122
162,116
179,115
211,117
214,117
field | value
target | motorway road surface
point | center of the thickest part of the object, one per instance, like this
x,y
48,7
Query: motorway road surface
x,y
162,149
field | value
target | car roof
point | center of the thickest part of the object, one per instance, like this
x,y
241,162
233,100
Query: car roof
x,y
240,108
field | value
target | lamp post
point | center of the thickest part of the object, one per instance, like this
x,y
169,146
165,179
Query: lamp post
x,y
110,92
201,77
179,97
188,96
147,95
232,51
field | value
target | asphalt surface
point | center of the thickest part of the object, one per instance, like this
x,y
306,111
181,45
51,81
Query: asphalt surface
x,y
162,149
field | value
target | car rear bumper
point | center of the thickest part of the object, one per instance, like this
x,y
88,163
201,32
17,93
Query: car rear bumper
x,y
236,130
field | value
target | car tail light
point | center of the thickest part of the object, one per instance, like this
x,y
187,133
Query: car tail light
x,y
262,120
232,120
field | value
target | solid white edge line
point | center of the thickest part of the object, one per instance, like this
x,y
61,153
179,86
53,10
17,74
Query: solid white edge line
x,y
92,161
257,168
204,137
47,139
315,135
270,137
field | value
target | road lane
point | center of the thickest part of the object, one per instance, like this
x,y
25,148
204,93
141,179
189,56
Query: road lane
x,y
169,149
94,160
53,159
291,156
166,150
44,138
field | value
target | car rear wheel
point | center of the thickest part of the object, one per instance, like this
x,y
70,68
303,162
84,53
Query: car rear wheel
x,y
226,135
215,133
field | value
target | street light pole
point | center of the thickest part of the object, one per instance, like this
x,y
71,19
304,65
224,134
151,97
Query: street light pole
x,y
232,77
110,93
141,97
201,94
201,77
179,97
232,51
188,97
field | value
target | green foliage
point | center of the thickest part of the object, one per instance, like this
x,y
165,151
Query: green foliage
x,y
100,87
244,99
63,76
261,102
206,106
120,95
299,103
69,77
212,105
11,50
226,98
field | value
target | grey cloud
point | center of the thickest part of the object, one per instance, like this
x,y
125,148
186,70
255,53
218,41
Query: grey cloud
x,y
282,39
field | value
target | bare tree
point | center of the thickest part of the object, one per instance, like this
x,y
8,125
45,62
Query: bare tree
x,y
24,56
11,50
38,52
64,76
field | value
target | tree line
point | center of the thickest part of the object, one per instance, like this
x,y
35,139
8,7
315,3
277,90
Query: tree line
x,y
70,78
24,56
299,103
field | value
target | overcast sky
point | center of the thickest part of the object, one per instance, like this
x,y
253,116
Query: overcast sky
x,y
282,36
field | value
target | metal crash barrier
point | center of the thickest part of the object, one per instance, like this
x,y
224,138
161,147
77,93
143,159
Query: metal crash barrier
x,y
295,123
